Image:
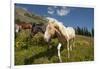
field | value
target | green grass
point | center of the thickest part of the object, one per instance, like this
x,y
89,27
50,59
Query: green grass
x,y
35,50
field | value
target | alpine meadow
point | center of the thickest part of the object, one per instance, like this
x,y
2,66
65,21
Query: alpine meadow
x,y
30,46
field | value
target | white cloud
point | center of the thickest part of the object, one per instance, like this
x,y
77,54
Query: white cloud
x,y
51,10
60,11
63,11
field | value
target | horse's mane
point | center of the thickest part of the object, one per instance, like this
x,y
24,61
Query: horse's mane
x,y
59,25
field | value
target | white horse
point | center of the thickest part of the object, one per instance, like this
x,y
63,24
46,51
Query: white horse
x,y
64,34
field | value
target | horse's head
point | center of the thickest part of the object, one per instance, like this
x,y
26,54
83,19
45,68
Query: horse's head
x,y
49,33
50,29
54,28
53,21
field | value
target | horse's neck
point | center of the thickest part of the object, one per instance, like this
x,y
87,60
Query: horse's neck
x,y
60,36
62,29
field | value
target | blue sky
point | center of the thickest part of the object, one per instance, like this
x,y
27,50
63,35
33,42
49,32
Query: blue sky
x,y
69,16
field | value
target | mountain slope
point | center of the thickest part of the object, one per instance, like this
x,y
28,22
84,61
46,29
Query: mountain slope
x,y
22,15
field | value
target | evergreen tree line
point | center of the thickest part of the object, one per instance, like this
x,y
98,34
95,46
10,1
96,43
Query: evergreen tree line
x,y
84,31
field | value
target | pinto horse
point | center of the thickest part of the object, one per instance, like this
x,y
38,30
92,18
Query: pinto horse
x,y
64,34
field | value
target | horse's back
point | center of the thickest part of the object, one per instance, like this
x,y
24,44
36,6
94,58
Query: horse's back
x,y
71,32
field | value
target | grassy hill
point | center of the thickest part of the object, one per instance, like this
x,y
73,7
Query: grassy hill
x,y
22,15
35,50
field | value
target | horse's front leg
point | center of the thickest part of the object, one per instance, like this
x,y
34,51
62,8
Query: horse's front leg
x,y
68,48
73,42
59,47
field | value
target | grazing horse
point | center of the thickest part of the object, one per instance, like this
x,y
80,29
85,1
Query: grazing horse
x,y
22,25
63,34
38,28
25,25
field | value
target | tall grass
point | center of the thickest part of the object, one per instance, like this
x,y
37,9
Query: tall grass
x,y
35,51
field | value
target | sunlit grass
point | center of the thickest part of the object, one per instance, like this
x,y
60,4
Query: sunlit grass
x,y
35,50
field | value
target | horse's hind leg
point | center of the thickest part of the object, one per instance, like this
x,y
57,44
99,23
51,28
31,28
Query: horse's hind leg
x,y
71,45
73,42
